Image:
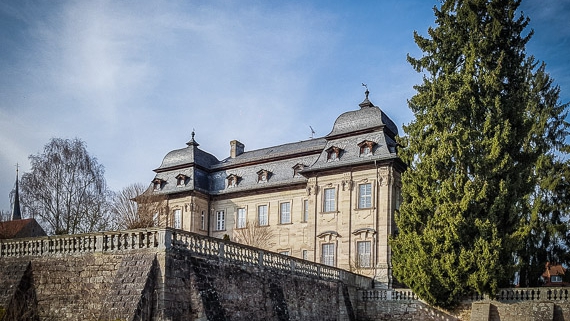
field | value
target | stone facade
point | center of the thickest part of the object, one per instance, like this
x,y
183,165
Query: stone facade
x,y
329,200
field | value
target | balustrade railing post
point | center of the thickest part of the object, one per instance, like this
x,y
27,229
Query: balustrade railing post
x,y
260,258
99,243
165,238
221,253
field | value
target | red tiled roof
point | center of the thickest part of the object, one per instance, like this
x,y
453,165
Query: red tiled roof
x,y
20,228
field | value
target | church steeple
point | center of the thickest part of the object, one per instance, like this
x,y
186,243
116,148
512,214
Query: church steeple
x,y
16,213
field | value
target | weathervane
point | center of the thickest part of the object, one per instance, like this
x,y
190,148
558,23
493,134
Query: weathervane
x,y
366,92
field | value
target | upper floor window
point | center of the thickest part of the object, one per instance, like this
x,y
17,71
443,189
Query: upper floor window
x,y
329,200
305,255
203,221
365,195
297,170
262,216
240,222
333,153
263,175
158,183
220,221
366,147
305,210
181,180
177,219
233,180
285,213
284,253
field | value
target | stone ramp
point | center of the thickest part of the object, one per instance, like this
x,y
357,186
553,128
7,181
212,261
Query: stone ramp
x,y
17,294
131,295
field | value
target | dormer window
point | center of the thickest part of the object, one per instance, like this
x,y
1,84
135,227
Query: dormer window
x,y
297,170
233,180
366,148
181,180
333,153
263,176
158,183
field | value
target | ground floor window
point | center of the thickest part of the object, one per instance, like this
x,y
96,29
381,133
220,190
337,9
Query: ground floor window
x,y
178,219
240,218
363,254
327,256
220,221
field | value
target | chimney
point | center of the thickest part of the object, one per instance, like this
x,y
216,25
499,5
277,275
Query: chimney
x,y
236,148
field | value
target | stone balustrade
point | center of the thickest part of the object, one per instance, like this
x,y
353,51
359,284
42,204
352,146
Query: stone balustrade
x,y
243,254
526,294
168,238
388,295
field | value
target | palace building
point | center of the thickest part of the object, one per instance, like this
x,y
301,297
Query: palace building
x,y
329,200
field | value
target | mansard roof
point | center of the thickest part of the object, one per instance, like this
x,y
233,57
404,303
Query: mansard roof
x,y
368,117
209,175
188,156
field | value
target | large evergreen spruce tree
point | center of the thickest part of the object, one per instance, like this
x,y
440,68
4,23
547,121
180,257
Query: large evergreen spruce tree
x,y
485,155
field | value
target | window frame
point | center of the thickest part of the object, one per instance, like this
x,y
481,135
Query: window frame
x,y
328,257
266,215
363,197
177,218
203,221
241,215
287,212
329,199
305,217
364,259
220,220
556,279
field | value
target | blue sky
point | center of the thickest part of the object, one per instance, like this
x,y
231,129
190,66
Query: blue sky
x,y
134,78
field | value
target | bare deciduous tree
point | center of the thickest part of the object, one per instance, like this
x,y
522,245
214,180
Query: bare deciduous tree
x,y
66,189
255,235
133,209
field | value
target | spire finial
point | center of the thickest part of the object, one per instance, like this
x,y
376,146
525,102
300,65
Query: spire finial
x,y
16,212
192,142
365,102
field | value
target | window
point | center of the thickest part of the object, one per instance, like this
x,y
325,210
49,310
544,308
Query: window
x,y
305,255
556,278
333,153
284,253
297,170
157,184
363,254
155,220
365,195
232,180
366,148
220,221
203,221
263,176
178,218
305,210
327,257
240,218
181,180
262,215
285,213
329,205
